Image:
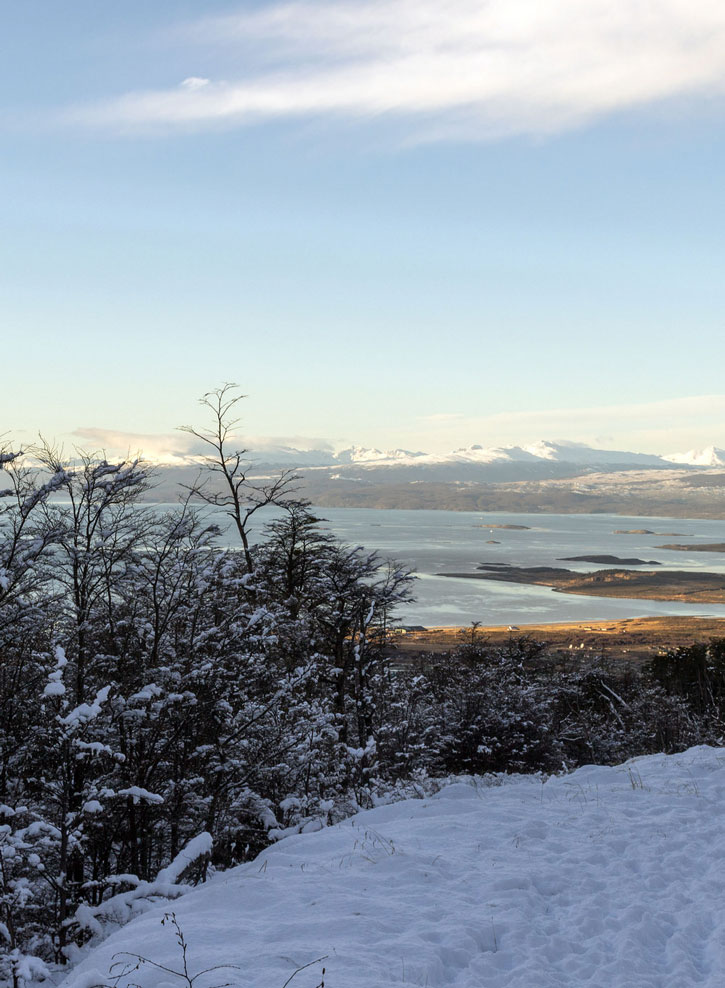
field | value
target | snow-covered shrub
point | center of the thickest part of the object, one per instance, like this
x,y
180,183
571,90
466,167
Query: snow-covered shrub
x,y
605,716
487,712
696,673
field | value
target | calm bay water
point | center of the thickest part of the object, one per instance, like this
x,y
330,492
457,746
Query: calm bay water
x,y
432,542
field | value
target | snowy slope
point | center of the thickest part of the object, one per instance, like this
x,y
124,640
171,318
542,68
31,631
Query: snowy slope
x,y
711,456
362,454
608,877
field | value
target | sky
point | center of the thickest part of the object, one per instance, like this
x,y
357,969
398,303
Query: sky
x,y
410,223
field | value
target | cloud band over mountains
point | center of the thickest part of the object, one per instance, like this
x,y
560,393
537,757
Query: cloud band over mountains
x,y
660,427
464,69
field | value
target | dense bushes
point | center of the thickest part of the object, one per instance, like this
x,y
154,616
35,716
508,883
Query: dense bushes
x,y
492,709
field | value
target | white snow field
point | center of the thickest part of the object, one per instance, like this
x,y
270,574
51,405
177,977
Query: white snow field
x,y
608,877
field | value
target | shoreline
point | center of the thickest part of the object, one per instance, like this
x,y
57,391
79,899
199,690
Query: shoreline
x,y
686,586
633,640
616,510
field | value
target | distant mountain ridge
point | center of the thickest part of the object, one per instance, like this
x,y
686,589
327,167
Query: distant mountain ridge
x,y
541,455
563,477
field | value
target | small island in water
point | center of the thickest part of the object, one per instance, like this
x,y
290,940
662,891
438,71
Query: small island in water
x,y
515,528
705,547
610,560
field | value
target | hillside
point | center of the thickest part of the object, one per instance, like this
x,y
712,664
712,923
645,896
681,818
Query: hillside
x,y
637,493
564,478
604,877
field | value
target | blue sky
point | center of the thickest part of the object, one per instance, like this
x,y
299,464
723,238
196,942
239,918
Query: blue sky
x,y
418,224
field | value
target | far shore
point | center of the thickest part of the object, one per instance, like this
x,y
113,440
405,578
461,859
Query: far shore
x,y
674,585
631,640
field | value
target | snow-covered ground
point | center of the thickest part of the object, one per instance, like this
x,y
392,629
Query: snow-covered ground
x,y
607,877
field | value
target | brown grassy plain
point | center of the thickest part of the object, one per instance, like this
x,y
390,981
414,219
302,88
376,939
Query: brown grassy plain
x,y
635,640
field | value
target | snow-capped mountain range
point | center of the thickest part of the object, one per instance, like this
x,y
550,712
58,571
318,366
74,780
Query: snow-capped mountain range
x,y
364,476
538,454
360,476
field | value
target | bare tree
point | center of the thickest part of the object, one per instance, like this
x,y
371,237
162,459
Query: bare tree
x,y
240,496
96,531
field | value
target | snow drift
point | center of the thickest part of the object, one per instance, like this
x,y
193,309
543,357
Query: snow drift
x,y
608,877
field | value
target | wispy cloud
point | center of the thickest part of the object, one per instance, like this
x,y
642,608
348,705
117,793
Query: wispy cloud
x,y
667,426
172,447
180,447
469,69
651,427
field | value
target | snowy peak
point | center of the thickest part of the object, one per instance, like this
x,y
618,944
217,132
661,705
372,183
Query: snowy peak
x,y
710,456
569,452
361,454
544,450
291,456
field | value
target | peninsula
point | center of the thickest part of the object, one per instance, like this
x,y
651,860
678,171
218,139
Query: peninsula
x,y
692,587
